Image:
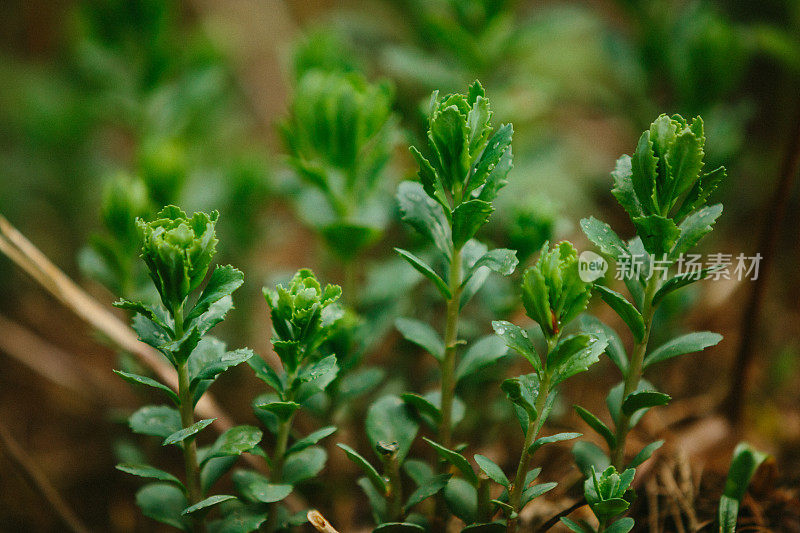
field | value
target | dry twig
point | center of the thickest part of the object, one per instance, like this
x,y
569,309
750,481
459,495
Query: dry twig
x,y
316,519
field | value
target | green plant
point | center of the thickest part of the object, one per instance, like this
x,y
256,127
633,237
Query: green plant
x,y
339,135
178,251
553,295
466,167
303,315
665,192
744,464
605,494
391,428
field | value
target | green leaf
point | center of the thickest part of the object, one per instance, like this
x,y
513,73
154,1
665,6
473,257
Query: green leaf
x,y
389,420
744,464
183,434
679,281
535,491
316,377
213,469
425,215
156,420
597,425
372,474
623,525
643,173
148,312
701,190
163,502
360,381
223,282
422,335
489,527
241,519
304,465
421,267
694,228
136,379
398,527
517,339
480,354
148,471
348,240
728,514
629,314
685,158
614,401
491,469
643,400
558,437
645,453
255,487
659,234
423,406
604,237
588,455
208,503
210,369
521,394
576,527
282,410
623,187
449,136
491,158
266,373
498,177
610,507
419,471
426,490
500,260
574,355
614,348
234,442
311,439
429,179
468,217
179,350
455,459
685,344
462,499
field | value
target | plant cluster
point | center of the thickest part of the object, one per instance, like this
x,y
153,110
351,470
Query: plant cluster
x,y
662,186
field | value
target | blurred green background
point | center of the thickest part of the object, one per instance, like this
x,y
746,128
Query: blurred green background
x,y
110,109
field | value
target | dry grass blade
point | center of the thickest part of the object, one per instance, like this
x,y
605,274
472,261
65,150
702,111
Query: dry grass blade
x,y
39,482
22,252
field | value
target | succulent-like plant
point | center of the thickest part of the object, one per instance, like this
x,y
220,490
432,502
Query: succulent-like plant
x,y
339,135
466,165
303,314
178,251
605,493
553,294
665,191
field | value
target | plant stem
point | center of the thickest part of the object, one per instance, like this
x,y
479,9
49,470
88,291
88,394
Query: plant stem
x,y
484,498
186,409
634,374
276,470
448,364
518,485
448,369
395,494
